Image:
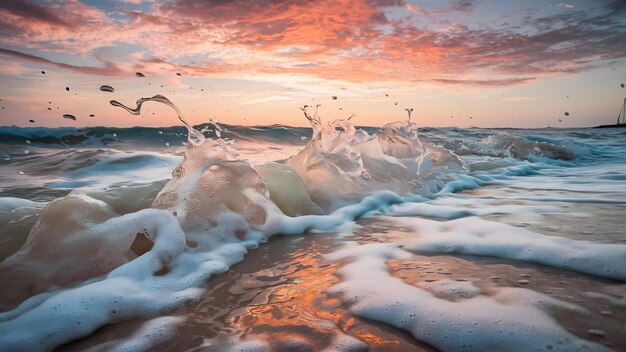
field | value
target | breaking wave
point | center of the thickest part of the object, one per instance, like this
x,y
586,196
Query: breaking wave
x,y
97,256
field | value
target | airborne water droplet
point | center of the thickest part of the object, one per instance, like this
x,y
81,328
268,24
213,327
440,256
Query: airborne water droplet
x,y
566,113
92,115
43,72
139,74
178,74
31,121
69,117
107,88
334,97
67,89
596,332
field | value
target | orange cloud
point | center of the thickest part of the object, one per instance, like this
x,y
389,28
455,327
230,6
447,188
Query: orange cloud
x,y
354,41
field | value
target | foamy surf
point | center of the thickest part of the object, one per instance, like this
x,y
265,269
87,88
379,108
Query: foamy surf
x,y
111,239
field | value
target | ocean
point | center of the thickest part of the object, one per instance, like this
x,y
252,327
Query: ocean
x,y
335,237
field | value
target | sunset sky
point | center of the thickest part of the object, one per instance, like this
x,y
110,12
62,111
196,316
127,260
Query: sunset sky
x,y
504,63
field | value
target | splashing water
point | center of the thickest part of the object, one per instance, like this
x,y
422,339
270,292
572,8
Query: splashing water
x,y
195,136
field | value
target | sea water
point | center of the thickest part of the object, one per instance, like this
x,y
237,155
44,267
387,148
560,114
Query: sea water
x,y
333,237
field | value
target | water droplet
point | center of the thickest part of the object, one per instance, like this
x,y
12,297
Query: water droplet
x,y
31,121
334,97
596,332
67,89
178,74
523,282
139,74
114,134
566,113
49,108
21,172
43,72
27,141
69,117
26,152
622,85
92,115
107,88
167,144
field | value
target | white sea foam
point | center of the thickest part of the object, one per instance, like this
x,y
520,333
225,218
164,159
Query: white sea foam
x,y
453,316
472,235
149,334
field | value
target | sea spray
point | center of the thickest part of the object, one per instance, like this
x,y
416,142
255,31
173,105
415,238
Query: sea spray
x,y
342,164
194,136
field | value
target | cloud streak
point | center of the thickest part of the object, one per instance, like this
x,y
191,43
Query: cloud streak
x,y
109,69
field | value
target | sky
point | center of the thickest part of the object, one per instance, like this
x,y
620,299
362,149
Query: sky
x,y
482,63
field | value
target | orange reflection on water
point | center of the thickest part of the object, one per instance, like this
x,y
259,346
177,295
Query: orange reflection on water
x,y
293,308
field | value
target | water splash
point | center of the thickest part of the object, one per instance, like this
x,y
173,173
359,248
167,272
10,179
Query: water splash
x,y
409,111
315,121
195,137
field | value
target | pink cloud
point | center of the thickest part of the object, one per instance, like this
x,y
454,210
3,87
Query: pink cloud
x,y
352,41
